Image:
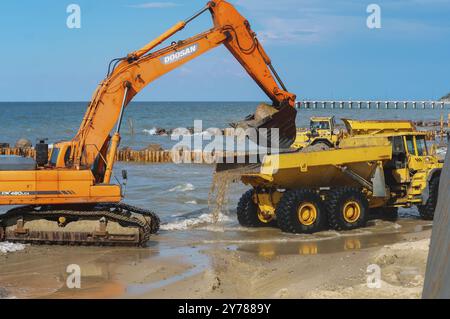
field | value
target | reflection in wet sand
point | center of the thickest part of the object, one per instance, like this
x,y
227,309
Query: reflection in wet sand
x,y
196,263
42,271
271,250
380,234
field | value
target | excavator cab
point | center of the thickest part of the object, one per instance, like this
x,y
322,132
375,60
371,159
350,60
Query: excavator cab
x,y
59,155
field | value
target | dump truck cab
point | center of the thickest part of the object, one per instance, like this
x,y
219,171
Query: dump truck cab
x,y
413,165
322,125
321,130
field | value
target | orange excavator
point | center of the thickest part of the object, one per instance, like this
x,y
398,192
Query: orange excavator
x,y
66,194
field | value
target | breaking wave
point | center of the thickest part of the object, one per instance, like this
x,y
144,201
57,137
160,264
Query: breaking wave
x,y
7,247
181,132
187,187
150,132
195,222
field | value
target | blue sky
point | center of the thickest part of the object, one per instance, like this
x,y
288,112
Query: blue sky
x,y
321,48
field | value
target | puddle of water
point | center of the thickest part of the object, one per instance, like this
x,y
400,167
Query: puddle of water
x,y
43,271
272,249
199,261
380,233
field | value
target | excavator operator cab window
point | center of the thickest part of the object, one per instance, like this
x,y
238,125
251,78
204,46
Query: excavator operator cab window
x,y
67,155
54,157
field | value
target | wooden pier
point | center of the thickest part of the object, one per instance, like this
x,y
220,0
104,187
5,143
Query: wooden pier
x,y
307,104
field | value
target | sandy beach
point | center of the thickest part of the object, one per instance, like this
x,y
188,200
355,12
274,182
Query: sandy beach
x,y
224,149
255,264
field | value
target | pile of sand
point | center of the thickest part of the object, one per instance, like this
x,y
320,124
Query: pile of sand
x,y
402,274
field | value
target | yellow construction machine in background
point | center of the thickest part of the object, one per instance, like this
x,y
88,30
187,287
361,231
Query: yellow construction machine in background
x,y
322,130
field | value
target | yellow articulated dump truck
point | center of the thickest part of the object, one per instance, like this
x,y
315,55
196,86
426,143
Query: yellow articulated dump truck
x,y
378,166
321,131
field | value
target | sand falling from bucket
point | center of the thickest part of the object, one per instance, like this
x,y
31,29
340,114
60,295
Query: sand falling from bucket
x,y
218,196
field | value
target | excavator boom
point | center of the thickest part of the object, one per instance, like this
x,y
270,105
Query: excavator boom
x,y
138,69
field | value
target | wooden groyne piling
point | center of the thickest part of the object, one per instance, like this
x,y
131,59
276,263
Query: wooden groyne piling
x,y
146,156
25,152
142,156
438,131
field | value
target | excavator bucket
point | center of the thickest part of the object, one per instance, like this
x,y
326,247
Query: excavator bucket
x,y
268,127
271,127
277,122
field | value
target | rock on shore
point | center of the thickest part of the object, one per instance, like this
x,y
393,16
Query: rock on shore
x,y
446,98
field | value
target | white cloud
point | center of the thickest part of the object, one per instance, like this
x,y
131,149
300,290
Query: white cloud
x,y
288,31
285,22
312,21
154,5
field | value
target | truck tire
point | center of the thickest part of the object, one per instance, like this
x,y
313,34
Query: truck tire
x,y
317,147
324,143
301,212
248,213
426,211
347,209
390,214
385,213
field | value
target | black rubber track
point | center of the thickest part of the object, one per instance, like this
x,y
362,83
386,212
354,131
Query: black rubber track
x,y
427,211
287,212
335,203
247,212
119,212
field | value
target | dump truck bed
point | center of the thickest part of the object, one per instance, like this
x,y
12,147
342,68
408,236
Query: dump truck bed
x,y
322,168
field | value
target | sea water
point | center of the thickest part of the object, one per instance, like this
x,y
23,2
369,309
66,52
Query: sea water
x,y
179,193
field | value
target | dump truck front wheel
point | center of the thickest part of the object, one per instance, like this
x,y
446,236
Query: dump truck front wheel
x,y
427,210
249,215
347,209
301,211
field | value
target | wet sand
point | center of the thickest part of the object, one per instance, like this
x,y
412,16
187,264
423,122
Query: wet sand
x,y
227,261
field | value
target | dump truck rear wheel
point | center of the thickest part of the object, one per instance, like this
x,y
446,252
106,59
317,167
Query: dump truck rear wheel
x,y
427,211
249,215
347,209
301,211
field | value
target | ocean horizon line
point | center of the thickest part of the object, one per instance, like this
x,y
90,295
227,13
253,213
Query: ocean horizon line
x,y
215,101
